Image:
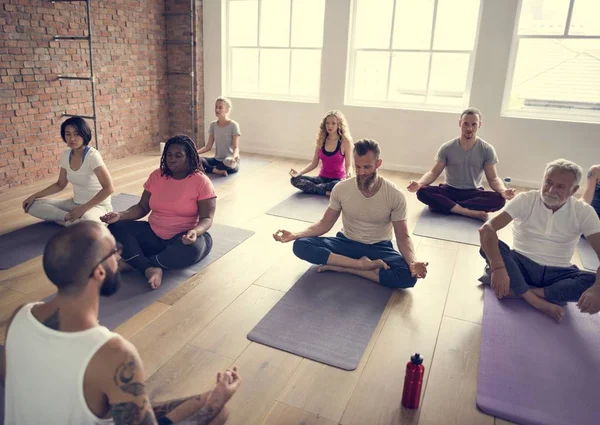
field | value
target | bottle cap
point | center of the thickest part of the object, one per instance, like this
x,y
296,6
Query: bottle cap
x,y
416,358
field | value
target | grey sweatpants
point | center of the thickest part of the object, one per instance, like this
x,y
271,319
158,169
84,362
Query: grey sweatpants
x,y
561,284
56,210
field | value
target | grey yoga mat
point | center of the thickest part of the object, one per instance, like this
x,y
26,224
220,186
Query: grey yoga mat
x,y
247,165
135,294
455,228
301,206
328,317
28,242
587,255
533,371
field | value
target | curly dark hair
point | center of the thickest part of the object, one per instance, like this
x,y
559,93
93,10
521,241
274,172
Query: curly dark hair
x,y
193,159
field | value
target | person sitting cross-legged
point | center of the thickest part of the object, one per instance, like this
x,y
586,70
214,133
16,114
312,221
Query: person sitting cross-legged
x,y
371,208
547,225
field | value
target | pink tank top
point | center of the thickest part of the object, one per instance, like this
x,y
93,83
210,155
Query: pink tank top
x,y
332,163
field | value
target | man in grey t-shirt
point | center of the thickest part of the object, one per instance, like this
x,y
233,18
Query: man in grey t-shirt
x,y
465,160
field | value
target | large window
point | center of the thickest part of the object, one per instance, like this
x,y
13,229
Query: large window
x,y
556,61
274,48
413,54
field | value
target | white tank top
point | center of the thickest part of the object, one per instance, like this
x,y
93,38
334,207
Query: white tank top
x,y
45,370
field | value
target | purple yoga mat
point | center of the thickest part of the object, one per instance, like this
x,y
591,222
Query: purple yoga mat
x,y
28,242
534,371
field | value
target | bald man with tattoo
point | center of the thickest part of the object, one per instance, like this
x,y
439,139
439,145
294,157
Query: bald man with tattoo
x,y
62,367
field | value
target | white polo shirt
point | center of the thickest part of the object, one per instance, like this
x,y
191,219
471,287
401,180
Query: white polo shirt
x,y
549,238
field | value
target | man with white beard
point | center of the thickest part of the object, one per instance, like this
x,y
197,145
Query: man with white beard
x,y
371,208
548,224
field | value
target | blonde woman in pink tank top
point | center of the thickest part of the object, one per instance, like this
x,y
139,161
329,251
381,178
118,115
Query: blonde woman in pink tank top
x,y
333,144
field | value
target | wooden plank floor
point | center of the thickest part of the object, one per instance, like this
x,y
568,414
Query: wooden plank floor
x,y
201,326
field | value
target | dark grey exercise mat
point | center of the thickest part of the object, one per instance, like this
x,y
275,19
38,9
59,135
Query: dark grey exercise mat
x,y
247,165
587,255
28,242
135,293
455,228
301,206
328,317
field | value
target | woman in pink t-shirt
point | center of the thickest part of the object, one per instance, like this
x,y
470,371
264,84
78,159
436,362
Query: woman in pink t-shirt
x,y
181,201
333,150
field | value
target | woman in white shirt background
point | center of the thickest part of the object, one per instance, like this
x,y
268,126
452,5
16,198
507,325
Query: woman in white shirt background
x,y
83,167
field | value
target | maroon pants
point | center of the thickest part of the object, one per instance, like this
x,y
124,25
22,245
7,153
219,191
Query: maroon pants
x,y
443,198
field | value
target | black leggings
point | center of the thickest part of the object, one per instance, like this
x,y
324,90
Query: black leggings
x,y
143,249
209,163
314,185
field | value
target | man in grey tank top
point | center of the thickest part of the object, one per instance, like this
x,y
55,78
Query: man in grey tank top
x,y
53,347
465,160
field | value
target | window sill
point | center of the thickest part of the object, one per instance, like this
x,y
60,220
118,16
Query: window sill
x,y
447,109
575,117
276,98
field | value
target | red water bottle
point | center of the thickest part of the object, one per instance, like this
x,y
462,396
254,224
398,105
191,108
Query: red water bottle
x,y
413,382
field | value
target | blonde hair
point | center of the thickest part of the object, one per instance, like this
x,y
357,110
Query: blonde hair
x,y
343,129
226,101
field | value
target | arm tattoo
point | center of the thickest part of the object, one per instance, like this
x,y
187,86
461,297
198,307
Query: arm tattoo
x,y
205,415
132,414
165,408
124,376
590,173
53,321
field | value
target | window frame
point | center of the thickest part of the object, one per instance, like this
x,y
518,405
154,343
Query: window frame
x,y
542,112
391,104
227,55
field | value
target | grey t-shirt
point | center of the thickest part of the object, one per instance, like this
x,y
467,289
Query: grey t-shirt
x,y
464,169
224,138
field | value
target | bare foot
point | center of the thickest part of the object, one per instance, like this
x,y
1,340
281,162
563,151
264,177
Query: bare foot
x,y
154,275
478,215
220,172
554,311
365,263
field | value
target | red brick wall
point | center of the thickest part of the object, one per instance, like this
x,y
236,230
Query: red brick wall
x,y
179,48
132,87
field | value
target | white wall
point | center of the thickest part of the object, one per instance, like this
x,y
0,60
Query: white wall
x,y
408,138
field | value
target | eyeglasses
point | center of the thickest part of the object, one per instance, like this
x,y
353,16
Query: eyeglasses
x,y
118,249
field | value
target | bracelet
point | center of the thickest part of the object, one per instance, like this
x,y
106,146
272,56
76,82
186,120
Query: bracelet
x,y
497,268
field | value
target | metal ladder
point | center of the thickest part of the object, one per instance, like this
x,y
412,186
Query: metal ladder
x,y
91,78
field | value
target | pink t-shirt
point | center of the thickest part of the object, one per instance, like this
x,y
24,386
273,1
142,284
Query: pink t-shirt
x,y
174,203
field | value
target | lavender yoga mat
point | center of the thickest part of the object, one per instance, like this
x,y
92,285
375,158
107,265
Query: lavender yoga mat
x,y
135,294
587,255
28,242
534,371
328,317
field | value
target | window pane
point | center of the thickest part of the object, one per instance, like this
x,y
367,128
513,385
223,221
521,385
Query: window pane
x,y
546,17
371,75
242,24
274,71
449,75
456,24
274,23
408,81
244,70
556,72
306,73
307,23
586,18
412,24
373,24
